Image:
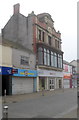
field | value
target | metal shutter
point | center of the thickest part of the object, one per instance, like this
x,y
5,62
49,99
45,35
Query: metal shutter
x,y
22,85
66,83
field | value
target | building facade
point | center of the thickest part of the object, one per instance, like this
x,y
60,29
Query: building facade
x,y
75,64
37,32
16,61
67,74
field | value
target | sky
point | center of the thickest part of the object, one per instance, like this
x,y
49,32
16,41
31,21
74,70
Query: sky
x,y
63,12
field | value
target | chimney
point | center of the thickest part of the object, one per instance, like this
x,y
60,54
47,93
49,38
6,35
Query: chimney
x,y
16,9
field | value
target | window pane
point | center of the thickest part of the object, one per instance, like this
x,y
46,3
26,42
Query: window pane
x,y
49,40
55,59
45,56
40,56
48,58
59,61
39,34
52,64
24,60
43,36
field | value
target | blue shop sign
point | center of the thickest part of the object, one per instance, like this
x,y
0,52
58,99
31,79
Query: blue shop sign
x,y
0,70
5,70
24,72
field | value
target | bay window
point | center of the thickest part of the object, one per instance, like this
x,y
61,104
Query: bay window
x,y
40,55
45,57
48,58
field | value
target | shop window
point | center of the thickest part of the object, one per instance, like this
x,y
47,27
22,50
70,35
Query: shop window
x,y
40,55
60,84
51,84
50,81
50,87
24,60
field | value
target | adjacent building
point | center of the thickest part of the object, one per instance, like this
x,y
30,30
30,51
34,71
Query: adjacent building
x,y
37,33
18,69
75,64
67,74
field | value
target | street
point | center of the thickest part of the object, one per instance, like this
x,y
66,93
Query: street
x,y
49,106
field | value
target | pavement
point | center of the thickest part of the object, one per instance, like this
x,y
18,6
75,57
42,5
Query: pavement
x,y
71,114
22,97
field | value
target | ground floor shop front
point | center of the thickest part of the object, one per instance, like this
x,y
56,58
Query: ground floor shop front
x,y
6,80
21,85
49,80
23,81
67,80
17,81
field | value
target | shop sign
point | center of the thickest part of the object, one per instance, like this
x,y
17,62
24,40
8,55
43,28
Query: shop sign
x,y
24,72
67,76
0,70
49,73
6,70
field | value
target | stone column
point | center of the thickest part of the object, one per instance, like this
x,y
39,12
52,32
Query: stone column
x,y
37,84
55,83
47,83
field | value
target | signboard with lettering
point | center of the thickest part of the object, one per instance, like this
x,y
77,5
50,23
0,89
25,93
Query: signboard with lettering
x,y
0,71
24,72
49,73
6,70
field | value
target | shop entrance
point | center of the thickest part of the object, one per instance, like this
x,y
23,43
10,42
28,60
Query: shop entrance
x,y
6,85
42,82
51,84
60,84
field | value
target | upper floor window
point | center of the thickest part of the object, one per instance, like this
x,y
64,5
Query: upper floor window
x,y
43,36
40,55
45,56
55,60
39,34
49,40
60,61
24,60
48,57
52,59
56,43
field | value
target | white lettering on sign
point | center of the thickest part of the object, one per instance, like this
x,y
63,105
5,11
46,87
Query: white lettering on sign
x,y
0,69
9,71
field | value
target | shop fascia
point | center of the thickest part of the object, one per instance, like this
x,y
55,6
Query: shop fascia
x,y
5,70
24,72
49,73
